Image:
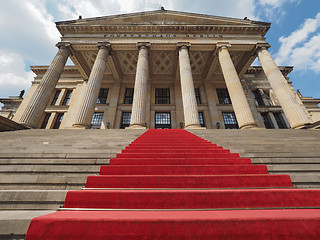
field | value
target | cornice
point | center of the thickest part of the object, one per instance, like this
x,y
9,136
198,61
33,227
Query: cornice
x,y
163,29
257,69
43,69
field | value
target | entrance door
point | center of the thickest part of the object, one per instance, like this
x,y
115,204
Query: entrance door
x,y
163,120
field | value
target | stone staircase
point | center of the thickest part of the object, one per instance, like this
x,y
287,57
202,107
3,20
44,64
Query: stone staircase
x,y
283,151
38,167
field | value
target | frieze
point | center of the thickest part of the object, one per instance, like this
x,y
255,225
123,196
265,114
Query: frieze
x,y
163,35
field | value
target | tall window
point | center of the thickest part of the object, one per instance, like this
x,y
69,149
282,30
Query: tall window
x,y
128,97
198,98
103,94
125,121
201,119
58,121
67,97
280,121
96,120
56,96
162,96
223,96
230,121
163,120
267,120
45,121
258,97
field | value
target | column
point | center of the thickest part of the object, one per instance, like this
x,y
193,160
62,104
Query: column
x,y
140,89
92,88
294,111
39,101
239,101
190,109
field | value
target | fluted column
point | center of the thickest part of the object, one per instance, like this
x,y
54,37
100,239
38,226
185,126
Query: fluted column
x,y
39,101
138,113
92,88
293,109
190,109
239,101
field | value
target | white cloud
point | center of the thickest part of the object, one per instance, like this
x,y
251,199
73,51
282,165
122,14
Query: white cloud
x,y
273,9
301,48
27,28
13,77
28,35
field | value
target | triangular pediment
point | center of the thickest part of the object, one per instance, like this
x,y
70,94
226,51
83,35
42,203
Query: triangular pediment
x,y
162,17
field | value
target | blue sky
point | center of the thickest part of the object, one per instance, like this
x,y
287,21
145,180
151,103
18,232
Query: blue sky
x,y
28,33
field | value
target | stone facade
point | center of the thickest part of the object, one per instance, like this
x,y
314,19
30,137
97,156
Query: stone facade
x,y
164,69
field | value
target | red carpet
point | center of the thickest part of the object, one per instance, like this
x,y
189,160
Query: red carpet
x,y
171,184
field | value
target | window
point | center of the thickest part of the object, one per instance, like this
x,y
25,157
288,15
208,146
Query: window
x,y
45,121
162,96
223,96
67,97
230,121
96,120
103,94
163,120
128,97
197,92
58,121
267,121
55,98
258,97
126,119
201,119
280,121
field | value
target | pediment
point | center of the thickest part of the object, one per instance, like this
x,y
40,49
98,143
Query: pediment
x,y
162,17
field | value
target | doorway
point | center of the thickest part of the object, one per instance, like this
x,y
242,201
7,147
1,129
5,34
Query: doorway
x,y
162,120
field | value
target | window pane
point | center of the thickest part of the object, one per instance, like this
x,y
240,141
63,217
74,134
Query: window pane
x,y
197,92
96,120
258,97
58,121
230,120
280,121
67,97
126,119
162,120
55,98
45,121
223,96
201,119
267,121
162,96
103,95
128,98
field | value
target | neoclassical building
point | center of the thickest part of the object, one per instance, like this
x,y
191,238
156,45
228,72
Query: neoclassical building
x,y
164,69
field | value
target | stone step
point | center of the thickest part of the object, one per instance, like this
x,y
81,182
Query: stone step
x,y
14,224
31,199
45,169
53,161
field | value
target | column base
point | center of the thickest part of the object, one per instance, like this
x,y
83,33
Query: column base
x,y
194,127
302,126
136,126
251,126
80,126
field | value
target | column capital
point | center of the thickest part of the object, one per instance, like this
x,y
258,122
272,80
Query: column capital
x,y
183,45
65,45
222,45
143,45
105,45
260,46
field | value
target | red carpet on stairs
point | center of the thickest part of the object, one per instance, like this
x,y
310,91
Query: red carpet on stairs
x,y
171,184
